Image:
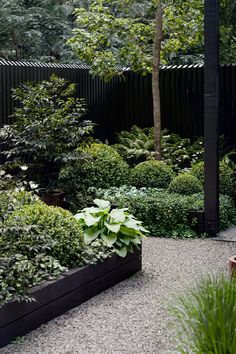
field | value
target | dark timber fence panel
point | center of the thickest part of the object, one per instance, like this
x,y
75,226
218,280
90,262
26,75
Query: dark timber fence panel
x,y
120,103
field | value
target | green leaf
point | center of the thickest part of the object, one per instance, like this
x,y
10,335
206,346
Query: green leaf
x,y
113,227
125,239
102,204
79,216
90,235
118,215
91,220
126,231
132,224
109,239
122,252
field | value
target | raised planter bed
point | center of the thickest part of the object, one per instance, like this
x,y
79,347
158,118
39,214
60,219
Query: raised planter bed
x,y
54,298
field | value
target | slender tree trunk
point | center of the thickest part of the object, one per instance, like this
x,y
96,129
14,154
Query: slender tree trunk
x,y
13,36
155,81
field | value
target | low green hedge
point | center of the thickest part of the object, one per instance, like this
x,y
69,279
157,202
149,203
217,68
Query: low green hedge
x,y
151,173
37,243
103,168
185,184
227,178
165,214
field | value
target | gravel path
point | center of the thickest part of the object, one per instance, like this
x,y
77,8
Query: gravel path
x,y
131,317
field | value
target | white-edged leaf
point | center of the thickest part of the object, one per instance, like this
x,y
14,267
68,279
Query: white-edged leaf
x,y
90,235
132,224
113,227
109,239
118,215
102,204
79,216
91,220
122,252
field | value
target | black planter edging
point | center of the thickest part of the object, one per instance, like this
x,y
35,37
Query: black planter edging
x,y
54,298
198,218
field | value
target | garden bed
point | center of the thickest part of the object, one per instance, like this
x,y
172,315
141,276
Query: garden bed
x,y
54,298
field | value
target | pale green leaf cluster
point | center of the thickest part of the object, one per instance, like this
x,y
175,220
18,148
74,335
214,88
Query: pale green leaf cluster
x,y
114,35
117,228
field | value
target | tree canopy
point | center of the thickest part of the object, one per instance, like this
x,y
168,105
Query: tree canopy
x,y
36,29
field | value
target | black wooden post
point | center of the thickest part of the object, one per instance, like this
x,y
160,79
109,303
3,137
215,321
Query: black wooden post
x,y
211,116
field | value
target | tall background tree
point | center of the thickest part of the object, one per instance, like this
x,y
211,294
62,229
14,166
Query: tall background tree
x,y
36,29
114,35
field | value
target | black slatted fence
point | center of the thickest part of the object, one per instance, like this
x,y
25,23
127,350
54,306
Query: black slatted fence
x,y
120,103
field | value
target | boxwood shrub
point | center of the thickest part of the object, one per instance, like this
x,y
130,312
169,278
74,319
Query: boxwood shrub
x,y
37,243
185,184
103,168
165,214
151,173
227,179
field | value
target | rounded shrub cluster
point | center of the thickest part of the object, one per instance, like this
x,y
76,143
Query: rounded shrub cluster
x,y
53,231
103,168
227,180
151,173
185,184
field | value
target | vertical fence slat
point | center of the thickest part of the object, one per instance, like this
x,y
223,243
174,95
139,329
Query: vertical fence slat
x,y
119,104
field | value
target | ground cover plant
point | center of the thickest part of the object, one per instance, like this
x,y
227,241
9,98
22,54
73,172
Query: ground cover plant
x,y
48,127
165,214
206,316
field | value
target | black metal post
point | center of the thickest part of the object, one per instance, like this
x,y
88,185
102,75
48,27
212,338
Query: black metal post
x,y
211,116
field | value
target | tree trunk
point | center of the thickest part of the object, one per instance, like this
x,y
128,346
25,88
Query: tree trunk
x,y
155,82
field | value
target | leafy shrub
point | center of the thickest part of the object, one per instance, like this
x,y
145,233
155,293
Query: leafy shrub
x,y
206,317
165,214
56,230
186,184
103,168
14,200
181,152
18,274
227,179
137,145
48,127
151,174
115,227
38,242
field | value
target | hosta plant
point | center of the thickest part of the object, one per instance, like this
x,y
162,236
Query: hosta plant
x,y
116,227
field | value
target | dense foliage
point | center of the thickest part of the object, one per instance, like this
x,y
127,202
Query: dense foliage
x,y
37,243
165,214
115,227
205,317
137,145
185,184
151,173
227,176
103,168
36,30
48,127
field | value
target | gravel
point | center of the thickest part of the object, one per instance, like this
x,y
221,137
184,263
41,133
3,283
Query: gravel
x,y
131,317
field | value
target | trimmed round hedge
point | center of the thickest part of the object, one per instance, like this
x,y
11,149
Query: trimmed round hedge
x,y
227,180
55,232
185,184
103,168
151,173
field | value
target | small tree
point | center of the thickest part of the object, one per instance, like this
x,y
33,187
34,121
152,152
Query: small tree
x,y
48,128
119,34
